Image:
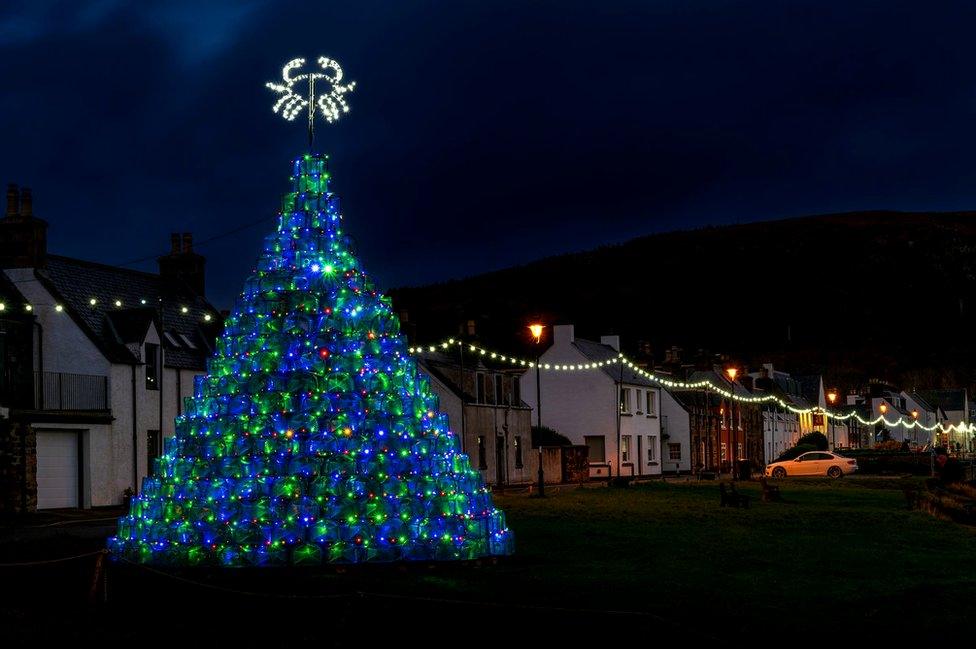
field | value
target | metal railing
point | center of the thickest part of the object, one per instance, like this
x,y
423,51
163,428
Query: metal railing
x,y
63,391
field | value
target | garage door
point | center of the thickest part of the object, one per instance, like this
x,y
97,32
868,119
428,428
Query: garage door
x,y
57,469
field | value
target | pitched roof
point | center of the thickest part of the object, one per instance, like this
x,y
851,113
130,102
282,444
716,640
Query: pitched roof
x,y
144,297
810,387
9,293
598,352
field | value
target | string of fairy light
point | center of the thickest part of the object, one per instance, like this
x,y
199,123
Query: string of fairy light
x,y
94,303
704,384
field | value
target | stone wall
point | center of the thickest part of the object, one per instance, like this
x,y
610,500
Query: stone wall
x,y
18,467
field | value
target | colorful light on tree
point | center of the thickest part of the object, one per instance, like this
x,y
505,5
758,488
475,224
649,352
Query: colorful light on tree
x,y
313,437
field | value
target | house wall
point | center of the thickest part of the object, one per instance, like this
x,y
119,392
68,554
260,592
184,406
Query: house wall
x,y
581,403
177,387
677,426
500,426
576,403
66,348
644,430
118,448
781,430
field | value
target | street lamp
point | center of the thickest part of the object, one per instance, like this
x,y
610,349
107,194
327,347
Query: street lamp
x,y
832,398
915,428
537,330
732,372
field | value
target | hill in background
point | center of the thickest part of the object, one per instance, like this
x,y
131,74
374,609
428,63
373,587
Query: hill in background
x,y
858,296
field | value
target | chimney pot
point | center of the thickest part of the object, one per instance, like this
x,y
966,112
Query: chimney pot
x,y
174,243
26,202
13,200
187,242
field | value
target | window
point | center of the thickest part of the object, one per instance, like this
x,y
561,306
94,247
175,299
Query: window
x,y
651,402
152,366
516,391
725,454
674,452
152,449
498,389
480,397
651,449
482,455
625,448
624,399
518,453
639,400
597,447
738,450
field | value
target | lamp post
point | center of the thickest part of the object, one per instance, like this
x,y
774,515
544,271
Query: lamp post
x,y
537,330
832,399
883,408
915,428
732,372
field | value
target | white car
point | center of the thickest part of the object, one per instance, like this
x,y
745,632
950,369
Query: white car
x,y
813,463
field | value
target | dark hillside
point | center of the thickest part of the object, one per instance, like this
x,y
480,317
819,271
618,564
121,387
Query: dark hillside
x,y
863,295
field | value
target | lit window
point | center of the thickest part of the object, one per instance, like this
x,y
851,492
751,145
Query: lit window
x,y
651,402
624,399
625,448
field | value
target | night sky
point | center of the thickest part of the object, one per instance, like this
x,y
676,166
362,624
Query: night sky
x,y
484,134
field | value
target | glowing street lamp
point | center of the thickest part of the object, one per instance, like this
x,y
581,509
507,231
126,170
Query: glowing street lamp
x,y
732,372
537,330
832,398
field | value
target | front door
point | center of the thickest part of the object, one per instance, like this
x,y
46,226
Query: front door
x,y
500,463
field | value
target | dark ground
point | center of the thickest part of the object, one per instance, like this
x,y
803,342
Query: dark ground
x,y
660,562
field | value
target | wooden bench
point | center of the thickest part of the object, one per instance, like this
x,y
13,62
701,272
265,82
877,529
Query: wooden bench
x,y
770,493
732,498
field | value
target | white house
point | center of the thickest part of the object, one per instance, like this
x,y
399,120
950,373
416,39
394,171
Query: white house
x,y
95,364
675,435
953,405
485,409
611,409
781,427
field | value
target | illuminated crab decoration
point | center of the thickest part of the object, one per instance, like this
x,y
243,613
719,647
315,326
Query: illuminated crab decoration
x,y
332,103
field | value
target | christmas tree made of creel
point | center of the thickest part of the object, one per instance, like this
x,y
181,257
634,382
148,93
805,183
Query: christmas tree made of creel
x,y
313,438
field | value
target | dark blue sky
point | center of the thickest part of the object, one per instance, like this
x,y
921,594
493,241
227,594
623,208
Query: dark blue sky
x,y
482,134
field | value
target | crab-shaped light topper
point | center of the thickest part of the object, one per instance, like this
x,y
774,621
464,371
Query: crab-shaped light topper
x,y
331,103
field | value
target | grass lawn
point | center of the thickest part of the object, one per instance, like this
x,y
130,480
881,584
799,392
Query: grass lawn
x,y
653,561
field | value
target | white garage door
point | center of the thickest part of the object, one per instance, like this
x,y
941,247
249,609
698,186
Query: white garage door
x,y
57,469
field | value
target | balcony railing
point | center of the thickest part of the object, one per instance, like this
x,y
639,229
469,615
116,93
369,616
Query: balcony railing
x,y
62,391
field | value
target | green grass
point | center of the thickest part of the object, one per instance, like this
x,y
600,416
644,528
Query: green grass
x,y
652,562
845,552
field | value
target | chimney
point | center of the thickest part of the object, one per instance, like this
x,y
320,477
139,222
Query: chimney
x,y
182,264
26,203
563,334
613,341
13,200
23,238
